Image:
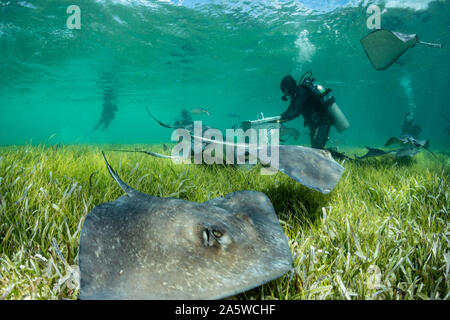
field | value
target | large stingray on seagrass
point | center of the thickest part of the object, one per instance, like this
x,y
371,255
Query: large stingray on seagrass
x,y
144,247
410,141
313,168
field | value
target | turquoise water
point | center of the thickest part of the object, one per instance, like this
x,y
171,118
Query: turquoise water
x,y
224,56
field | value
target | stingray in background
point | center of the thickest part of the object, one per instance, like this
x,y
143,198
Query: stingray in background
x,y
313,168
383,47
189,126
397,153
338,155
409,141
145,247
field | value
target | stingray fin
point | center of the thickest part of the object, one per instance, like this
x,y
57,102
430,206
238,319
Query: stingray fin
x,y
392,141
313,168
247,202
372,152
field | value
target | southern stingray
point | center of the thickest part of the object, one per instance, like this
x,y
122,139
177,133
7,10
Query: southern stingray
x,y
397,153
313,168
145,247
410,141
383,47
338,155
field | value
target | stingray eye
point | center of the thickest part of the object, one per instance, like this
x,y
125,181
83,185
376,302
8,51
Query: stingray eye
x,y
217,233
212,237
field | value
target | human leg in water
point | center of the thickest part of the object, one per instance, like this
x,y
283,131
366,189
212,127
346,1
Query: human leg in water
x,y
319,136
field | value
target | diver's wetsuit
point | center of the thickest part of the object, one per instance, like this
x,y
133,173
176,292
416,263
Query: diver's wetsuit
x,y
305,102
109,109
410,127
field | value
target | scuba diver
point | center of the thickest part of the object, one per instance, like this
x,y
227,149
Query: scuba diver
x,y
185,119
410,126
318,108
109,109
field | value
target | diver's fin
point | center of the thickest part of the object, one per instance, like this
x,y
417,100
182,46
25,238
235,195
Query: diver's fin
x,y
383,47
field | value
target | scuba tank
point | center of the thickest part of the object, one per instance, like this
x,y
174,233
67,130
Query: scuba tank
x,y
339,120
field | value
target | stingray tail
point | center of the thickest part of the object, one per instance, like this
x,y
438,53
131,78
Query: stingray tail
x,y
161,123
372,152
153,154
126,188
445,117
426,148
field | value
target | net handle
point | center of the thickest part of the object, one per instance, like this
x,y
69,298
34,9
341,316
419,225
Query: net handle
x,y
434,45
